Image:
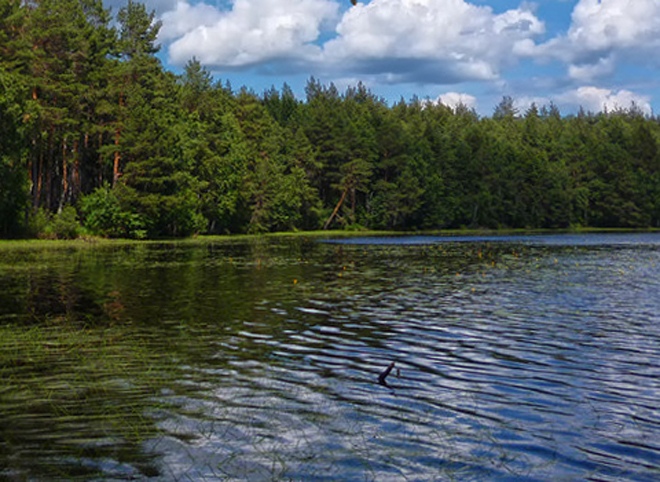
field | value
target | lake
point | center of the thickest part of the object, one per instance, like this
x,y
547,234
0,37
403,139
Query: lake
x,y
516,358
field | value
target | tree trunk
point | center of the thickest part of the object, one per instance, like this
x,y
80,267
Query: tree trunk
x,y
115,165
76,181
65,179
117,158
38,171
100,161
352,205
336,210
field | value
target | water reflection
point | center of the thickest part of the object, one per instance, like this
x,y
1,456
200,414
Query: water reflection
x,y
520,359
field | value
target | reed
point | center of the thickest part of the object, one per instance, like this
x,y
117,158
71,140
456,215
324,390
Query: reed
x,y
89,393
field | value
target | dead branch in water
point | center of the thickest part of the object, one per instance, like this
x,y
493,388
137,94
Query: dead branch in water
x,y
383,376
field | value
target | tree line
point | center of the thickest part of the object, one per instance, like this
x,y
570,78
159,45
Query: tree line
x,y
97,137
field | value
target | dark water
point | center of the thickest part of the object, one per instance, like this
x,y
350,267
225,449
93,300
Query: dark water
x,y
520,358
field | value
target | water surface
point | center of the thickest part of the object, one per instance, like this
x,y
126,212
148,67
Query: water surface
x,y
520,358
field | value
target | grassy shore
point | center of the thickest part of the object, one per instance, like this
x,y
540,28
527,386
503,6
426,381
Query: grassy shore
x,y
91,241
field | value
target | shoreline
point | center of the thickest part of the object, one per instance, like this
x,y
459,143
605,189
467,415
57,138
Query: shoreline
x,y
89,241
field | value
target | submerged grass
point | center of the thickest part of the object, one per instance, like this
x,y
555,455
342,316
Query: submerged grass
x,y
85,392
65,364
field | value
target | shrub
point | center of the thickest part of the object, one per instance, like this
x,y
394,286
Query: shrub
x,y
65,224
103,215
39,224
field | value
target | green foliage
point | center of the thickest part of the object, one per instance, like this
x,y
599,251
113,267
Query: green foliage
x,y
63,225
103,215
138,32
39,223
395,203
13,185
89,118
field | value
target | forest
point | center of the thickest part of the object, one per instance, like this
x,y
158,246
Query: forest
x,y
98,138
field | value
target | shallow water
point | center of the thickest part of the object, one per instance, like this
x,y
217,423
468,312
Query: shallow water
x,y
519,358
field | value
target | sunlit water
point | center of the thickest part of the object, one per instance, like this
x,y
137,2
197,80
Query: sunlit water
x,y
519,358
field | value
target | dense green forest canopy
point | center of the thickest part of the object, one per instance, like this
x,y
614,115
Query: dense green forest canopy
x,y
97,137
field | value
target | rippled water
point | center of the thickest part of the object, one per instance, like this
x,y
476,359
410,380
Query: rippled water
x,y
519,358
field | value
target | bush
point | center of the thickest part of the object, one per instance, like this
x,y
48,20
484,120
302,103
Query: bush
x,y
103,215
65,224
39,224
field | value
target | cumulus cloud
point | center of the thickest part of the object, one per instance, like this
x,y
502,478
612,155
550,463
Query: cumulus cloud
x,y
185,18
597,99
590,71
605,32
431,41
420,41
525,102
252,31
455,99
602,25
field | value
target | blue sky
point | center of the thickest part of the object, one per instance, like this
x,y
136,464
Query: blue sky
x,y
594,54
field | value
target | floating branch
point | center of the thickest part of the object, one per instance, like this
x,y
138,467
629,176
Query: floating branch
x,y
383,376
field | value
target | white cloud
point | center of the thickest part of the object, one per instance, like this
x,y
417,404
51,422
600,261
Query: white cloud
x,y
454,99
419,44
185,18
255,31
602,25
604,33
596,99
525,102
421,41
588,72
431,41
